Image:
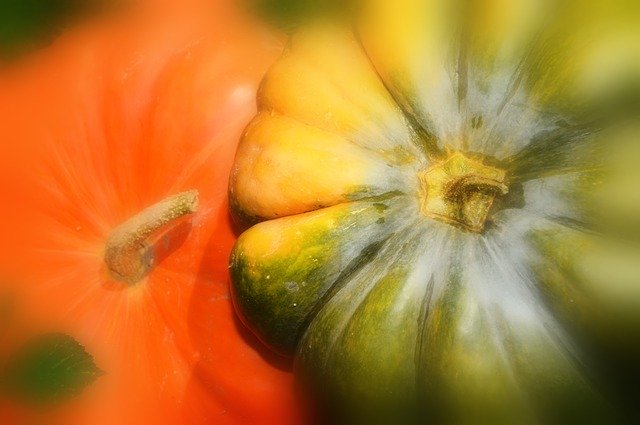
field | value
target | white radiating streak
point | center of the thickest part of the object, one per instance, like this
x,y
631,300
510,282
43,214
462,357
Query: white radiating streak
x,y
505,282
508,277
498,118
550,197
431,260
438,106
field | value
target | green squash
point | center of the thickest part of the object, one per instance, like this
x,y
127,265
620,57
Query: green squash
x,y
447,199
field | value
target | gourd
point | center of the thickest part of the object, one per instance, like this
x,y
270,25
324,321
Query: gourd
x,y
121,114
442,207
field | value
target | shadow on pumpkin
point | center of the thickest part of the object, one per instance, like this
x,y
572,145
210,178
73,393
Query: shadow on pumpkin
x,y
236,375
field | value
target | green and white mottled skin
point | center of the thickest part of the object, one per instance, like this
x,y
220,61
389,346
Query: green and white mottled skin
x,y
393,315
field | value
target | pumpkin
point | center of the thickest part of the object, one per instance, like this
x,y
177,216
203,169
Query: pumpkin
x,y
118,141
442,210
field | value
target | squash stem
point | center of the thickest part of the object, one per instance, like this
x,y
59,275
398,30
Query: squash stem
x,y
128,255
475,183
460,191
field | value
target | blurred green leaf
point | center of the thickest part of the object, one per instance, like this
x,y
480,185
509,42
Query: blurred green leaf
x,y
25,23
289,14
49,369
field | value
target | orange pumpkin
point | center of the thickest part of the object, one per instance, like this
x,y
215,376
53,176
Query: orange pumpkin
x,y
113,118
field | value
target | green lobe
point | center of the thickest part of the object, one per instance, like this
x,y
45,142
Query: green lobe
x,y
276,288
361,344
491,364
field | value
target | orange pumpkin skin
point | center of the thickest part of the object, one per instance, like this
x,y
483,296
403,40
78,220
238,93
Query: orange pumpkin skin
x,y
114,117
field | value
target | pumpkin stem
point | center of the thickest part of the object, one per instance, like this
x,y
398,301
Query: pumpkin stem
x,y
460,191
128,255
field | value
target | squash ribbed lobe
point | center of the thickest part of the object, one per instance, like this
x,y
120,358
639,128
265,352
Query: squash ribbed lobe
x,y
411,171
